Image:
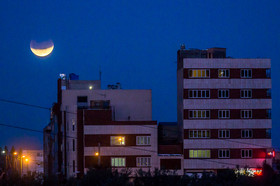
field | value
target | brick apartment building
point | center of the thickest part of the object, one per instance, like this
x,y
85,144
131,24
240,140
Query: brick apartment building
x,y
224,110
92,127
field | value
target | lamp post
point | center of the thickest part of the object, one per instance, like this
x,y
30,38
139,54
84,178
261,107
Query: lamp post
x,y
21,165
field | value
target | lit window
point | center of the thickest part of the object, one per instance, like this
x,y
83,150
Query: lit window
x,y
246,133
117,140
118,162
73,124
246,114
143,140
224,114
143,161
246,73
199,134
223,94
246,153
199,153
199,114
199,94
223,73
224,133
224,153
203,73
246,93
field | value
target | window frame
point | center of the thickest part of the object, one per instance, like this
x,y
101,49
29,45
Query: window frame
x,y
197,136
224,131
224,112
148,140
248,114
122,141
225,70
248,133
223,90
247,150
191,94
118,158
199,151
247,70
247,91
224,150
197,113
139,161
190,73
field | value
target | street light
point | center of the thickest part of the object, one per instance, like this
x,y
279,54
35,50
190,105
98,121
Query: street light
x,y
15,153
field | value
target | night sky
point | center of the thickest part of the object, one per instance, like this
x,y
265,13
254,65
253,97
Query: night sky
x,y
134,43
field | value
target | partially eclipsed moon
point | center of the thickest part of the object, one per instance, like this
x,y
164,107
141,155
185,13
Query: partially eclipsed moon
x,y
41,49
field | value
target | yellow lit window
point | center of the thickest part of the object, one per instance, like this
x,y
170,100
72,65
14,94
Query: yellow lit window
x,y
117,140
199,153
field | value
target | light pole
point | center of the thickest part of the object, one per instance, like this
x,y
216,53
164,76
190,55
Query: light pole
x,y
21,165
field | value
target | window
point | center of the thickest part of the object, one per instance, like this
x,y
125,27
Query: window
x,y
268,113
118,162
73,145
74,165
246,133
268,133
224,114
199,114
73,124
245,114
246,93
143,140
246,73
199,153
199,94
223,94
246,153
224,153
268,93
223,73
203,73
143,161
199,133
117,140
268,73
224,134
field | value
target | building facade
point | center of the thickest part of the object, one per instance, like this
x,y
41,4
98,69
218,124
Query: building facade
x,y
32,161
224,110
92,127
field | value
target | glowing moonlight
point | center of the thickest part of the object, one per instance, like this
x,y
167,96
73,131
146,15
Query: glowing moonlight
x,y
41,49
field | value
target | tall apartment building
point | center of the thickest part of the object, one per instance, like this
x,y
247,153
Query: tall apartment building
x,y
224,110
92,127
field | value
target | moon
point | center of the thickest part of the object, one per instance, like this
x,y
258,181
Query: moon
x,y
41,49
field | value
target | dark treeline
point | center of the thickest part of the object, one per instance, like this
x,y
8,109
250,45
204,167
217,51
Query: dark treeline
x,y
163,178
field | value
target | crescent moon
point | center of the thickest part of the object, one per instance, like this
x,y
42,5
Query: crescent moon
x,y
41,49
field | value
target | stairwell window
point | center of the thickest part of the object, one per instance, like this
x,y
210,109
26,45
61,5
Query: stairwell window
x,y
199,73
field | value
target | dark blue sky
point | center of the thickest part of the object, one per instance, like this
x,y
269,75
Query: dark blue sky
x,y
134,42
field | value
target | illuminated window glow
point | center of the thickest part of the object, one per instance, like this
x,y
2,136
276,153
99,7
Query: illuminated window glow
x,y
203,73
117,140
223,73
199,153
199,134
199,114
118,162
